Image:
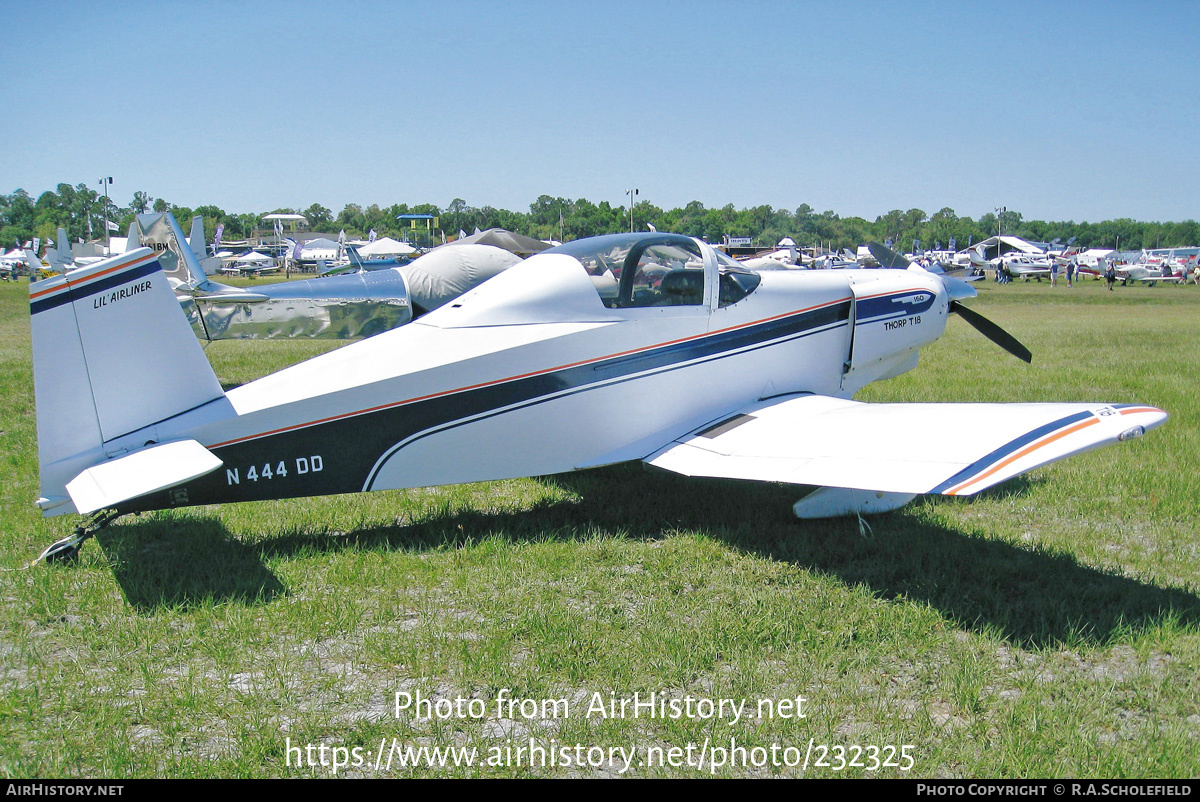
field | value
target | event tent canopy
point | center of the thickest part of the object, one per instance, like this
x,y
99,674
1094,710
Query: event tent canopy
x,y
1002,244
387,247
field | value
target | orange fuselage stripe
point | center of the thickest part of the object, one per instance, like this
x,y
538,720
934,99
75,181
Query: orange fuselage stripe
x,y
520,376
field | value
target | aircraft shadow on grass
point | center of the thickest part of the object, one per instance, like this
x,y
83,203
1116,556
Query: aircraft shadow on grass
x,y
159,562
1030,596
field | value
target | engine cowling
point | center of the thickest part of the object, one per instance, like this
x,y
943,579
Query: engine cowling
x,y
894,314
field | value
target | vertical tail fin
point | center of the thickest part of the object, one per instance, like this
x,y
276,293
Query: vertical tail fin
x,y
59,255
196,238
161,232
34,264
104,334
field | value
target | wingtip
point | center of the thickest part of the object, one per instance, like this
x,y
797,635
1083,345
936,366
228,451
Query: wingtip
x,y
1147,416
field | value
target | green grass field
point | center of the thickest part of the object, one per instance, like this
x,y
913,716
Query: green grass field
x,y
1047,628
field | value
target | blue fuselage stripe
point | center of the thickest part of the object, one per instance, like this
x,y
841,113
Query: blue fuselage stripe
x,y
73,293
899,304
352,446
627,368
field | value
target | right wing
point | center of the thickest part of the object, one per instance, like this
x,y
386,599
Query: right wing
x,y
953,449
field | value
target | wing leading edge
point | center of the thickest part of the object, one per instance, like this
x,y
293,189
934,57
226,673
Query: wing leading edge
x,y
953,449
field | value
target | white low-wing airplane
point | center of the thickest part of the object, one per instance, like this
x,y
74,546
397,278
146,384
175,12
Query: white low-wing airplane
x,y
1026,266
1149,273
624,347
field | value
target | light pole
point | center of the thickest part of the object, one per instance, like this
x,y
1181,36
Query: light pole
x,y
106,183
632,193
1000,210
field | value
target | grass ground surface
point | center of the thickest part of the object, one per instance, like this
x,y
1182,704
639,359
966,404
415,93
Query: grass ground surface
x,y
1047,628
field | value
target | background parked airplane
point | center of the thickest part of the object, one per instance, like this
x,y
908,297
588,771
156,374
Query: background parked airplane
x,y
335,307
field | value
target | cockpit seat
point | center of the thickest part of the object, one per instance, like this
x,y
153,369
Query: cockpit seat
x,y
682,288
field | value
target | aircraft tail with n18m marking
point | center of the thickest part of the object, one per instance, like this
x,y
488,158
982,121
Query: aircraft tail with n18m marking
x,y
112,357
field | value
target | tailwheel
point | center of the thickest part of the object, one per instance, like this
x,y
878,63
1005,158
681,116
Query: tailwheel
x,y
67,549
62,551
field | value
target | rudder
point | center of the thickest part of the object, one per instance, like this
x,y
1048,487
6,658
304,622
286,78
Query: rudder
x,y
104,335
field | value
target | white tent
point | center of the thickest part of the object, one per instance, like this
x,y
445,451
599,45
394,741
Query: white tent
x,y
1092,256
254,258
319,248
294,219
235,264
387,247
1003,244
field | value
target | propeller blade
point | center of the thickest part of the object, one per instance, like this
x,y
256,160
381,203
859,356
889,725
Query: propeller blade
x,y
887,257
993,332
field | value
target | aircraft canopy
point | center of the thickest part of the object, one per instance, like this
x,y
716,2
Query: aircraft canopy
x,y
501,238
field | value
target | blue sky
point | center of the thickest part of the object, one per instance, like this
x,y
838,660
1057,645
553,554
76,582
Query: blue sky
x,y
1058,110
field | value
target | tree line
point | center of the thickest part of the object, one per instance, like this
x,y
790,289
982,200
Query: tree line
x,y
82,211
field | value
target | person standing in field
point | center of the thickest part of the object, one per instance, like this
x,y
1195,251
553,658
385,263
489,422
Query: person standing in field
x,y
1110,275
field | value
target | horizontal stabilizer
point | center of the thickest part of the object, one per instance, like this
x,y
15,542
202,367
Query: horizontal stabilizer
x,y
231,297
954,449
146,471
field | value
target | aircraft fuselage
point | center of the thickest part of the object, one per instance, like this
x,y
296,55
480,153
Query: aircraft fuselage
x,y
452,399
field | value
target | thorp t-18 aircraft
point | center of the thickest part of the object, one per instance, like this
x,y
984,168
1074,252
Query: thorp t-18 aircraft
x,y
646,347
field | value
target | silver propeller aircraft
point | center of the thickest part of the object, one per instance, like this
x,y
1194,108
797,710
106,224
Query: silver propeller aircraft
x,y
341,307
649,347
